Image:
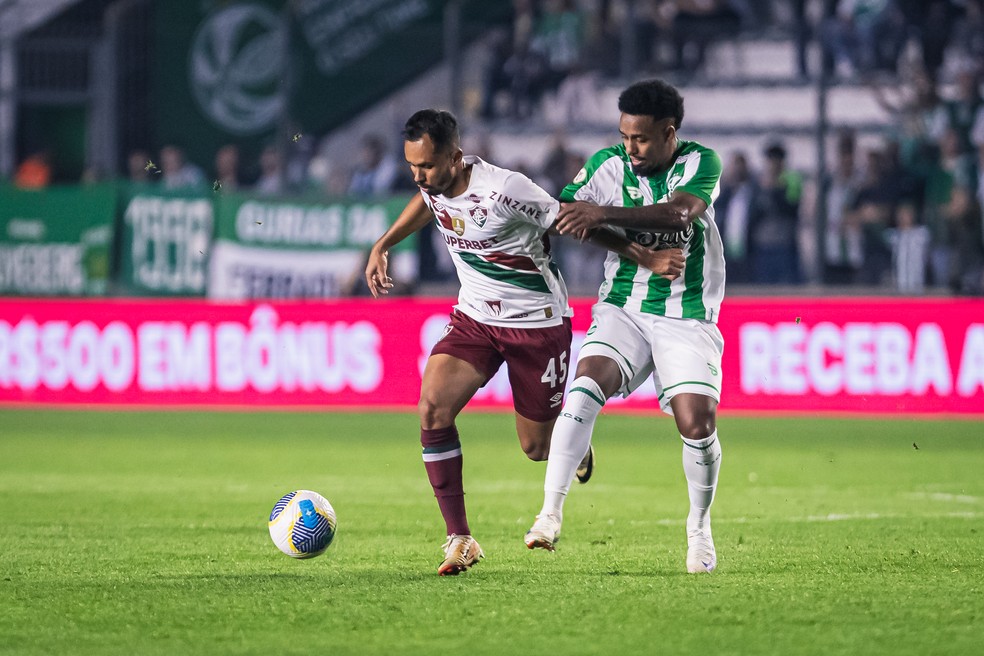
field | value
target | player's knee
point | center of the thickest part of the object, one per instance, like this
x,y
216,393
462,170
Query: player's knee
x,y
536,452
433,414
696,426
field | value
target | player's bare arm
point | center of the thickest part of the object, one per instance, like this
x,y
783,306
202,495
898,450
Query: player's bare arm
x,y
667,263
413,217
675,215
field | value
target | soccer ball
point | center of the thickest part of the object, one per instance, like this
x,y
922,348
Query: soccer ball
x,y
302,524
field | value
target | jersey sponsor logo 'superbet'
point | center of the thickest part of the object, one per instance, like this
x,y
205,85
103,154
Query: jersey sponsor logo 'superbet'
x,y
168,356
235,66
470,244
863,358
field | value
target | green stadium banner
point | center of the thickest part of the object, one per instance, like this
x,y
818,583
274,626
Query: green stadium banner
x,y
280,249
165,240
56,241
240,71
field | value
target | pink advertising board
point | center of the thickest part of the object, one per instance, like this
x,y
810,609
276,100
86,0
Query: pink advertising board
x,y
842,355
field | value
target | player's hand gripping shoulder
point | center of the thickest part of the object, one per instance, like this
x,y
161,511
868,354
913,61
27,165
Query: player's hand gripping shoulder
x,y
376,277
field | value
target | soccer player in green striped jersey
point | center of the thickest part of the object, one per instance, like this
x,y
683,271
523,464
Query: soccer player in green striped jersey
x,y
659,191
512,306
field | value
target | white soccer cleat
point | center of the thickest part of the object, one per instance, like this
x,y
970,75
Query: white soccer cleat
x,y
544,533
701,557
460,553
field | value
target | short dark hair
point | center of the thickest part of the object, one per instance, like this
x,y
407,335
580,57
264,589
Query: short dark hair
x,y
654,98
775,150
440,125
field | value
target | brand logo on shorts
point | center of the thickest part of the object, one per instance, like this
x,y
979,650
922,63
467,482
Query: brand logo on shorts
x,y
458,225
479,215
592,329
556,399
495,307
714,371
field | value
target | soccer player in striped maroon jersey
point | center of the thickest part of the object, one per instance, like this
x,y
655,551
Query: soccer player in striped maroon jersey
x,y
512,306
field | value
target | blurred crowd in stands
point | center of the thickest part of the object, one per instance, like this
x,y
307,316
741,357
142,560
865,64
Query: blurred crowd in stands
x,y
903,213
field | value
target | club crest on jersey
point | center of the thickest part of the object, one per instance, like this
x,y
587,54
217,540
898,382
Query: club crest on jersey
x,y
581,176
458,225
633,192
479,215
673,182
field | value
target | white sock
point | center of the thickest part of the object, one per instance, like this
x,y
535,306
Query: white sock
x,y
570,441
701,463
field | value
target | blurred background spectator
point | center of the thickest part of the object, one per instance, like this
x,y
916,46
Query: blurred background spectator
x,y
176,173
842,251
376,171
774,222
139,166
35,171
733,213
227,168
272,176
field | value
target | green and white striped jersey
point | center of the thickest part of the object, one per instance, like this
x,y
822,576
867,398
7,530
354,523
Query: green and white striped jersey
x,y
608,179
496,234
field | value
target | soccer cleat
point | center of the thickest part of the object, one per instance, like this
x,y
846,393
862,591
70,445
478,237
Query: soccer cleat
x,y
701,557
460,553
544,533
586,468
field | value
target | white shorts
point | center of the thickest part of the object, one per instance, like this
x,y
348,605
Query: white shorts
x,y
683,355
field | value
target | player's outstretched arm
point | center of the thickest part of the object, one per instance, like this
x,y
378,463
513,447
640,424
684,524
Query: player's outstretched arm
x,y
413,217
667,263
575,219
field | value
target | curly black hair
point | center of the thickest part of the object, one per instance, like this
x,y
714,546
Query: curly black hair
x,y
654,98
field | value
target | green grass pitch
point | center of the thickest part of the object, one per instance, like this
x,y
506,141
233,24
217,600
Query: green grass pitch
x,y
145,533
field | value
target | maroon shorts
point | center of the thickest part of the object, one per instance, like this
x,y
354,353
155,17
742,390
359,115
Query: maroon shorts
x,y
538,359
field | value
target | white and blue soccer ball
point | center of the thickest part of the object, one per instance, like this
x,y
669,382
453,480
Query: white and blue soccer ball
x,y
302,524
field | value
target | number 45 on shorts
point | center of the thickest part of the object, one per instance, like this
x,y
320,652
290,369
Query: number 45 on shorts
x,y
556,371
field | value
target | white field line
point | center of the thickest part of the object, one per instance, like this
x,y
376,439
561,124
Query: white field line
x,y
830,517
943,496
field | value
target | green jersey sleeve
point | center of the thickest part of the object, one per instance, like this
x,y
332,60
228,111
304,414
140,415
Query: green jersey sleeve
x,y
701,175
